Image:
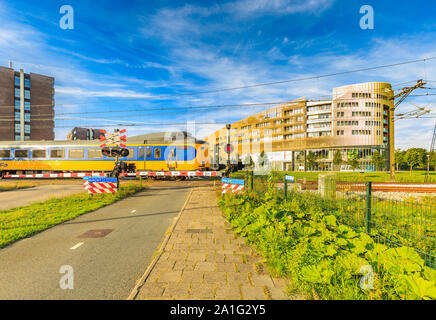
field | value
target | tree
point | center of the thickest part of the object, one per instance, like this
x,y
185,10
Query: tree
x,y
337,158
263,159
413,158
352,161
311,160
378,160
400,159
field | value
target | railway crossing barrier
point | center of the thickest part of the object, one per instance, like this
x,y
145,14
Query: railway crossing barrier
x,y
232,185
102,174
96,185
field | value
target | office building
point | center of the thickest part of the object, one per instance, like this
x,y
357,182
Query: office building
x,y
355,121
26,106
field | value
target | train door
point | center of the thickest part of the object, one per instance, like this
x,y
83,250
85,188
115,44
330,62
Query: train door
x,y
148,158
141,158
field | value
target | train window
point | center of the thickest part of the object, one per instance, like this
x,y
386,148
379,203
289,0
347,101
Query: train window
x,y
141,153
57,153
157,153
94,154
148,152
76,153
19,153
131,153
38,153
5,153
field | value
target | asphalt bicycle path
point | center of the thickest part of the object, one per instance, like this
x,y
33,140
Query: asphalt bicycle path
x,y
104,264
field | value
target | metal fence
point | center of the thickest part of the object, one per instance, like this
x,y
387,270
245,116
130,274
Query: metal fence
x,y
389,221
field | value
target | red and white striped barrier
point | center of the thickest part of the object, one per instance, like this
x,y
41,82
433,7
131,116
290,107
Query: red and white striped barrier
x,y
175,173
94,187
102,174
235,188
232,185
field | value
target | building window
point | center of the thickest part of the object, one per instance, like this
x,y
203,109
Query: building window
x,y
17,116
17,81
27,117
17,103
27,128
26,105
17,93
26,83
27,94
17,128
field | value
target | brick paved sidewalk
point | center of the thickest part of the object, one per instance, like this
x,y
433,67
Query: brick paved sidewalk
x,y
203,259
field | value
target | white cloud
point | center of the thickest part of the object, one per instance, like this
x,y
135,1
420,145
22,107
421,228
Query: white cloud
x,y
277,7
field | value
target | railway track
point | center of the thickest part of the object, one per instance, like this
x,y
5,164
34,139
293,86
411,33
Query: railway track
x,y
411,187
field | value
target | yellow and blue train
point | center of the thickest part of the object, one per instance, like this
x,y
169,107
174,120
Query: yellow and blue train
x,y
85,156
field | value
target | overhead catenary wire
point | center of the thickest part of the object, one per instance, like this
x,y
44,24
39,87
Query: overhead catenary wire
x,y
246,86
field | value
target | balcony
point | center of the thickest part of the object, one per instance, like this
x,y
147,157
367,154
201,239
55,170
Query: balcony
x,y
319,112
326,120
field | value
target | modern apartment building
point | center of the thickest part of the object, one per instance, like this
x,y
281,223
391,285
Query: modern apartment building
x,y
79,133
356,122
26,106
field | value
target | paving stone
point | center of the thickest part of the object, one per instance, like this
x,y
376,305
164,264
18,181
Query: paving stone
x,y
276,293
215,277
216,265
192,276
149,290
196,257
204,291
238,277
224,266
184,266
177,290
170,276
233,258
205,266
245,267
261,280
153,276
227,292
164,265
213,257
252,293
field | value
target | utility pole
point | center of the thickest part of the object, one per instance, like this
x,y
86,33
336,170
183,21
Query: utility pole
x,y
401,97
430,153
228,126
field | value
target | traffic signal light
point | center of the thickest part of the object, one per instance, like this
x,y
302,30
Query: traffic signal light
x,y
115,152
105,151
229,148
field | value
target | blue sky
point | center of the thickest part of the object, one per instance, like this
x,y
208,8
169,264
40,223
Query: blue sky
x,y
134,52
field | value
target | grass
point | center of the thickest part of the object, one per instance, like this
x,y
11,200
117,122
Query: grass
x,y
13,185
22,222
402,176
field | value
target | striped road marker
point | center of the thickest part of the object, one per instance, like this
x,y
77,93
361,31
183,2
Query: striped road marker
x,y
96,185
232,185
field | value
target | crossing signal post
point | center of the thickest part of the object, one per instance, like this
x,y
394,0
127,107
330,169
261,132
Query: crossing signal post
x,y
119,150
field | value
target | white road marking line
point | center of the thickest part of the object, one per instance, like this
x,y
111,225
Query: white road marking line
x,y
133,211
76,246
